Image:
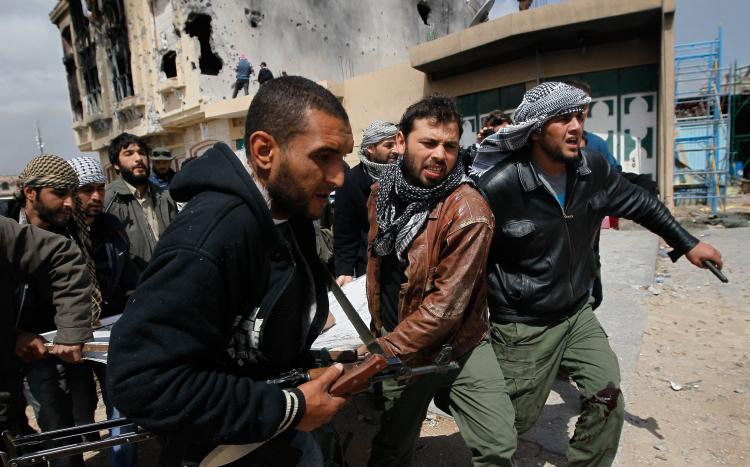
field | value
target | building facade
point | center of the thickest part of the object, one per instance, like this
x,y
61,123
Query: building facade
x,y
164,69
378,57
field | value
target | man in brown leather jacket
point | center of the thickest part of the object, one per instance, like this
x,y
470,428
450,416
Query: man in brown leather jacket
x,y
430,232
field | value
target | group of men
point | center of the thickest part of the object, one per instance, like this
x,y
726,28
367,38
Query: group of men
x,y
499,267
113,229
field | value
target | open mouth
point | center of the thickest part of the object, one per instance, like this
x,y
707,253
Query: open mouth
x,y
434,171
572,141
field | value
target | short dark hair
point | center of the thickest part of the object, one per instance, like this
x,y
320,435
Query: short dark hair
x,y
262,63
441,109
582,85
496,118
280,108
122,141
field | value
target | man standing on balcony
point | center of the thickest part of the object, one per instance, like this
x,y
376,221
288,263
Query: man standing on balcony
x,y
244,70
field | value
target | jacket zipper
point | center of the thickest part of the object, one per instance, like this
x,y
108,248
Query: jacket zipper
x,y
566,216
20,306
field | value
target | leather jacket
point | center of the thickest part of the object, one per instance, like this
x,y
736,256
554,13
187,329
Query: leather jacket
x,y
542,264
444,300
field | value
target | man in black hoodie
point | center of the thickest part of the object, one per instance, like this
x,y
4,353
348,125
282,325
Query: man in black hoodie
x,y
234,293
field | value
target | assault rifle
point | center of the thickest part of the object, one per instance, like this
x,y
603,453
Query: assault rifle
x,y
357,377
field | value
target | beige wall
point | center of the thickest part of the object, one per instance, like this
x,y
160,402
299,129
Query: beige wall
x,y
383,95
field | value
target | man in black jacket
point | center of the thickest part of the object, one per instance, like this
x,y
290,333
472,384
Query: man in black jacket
x,y
549,198
264,75
234,293
350,222
115,274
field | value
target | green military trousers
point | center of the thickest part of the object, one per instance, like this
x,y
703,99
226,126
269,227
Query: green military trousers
x,y
530,357
478,401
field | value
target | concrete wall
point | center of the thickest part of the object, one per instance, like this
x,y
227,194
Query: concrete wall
x,y
329,40
383,95
363,51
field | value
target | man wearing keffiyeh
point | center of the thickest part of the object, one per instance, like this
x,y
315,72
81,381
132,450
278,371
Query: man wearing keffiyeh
x,y
60,390
116,275
549,197
350,223
430,232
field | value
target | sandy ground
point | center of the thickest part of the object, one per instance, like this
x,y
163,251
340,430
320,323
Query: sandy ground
x,y
696,340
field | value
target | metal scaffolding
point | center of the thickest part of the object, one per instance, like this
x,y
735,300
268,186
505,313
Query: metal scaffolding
x,y
701,171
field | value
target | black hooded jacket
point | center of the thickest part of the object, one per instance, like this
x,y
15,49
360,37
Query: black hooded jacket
x,y
189,355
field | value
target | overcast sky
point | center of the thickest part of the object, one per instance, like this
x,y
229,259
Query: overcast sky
x,y
33,86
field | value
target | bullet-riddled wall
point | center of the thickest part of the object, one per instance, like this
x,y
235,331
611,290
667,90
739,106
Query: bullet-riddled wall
x,y
183,54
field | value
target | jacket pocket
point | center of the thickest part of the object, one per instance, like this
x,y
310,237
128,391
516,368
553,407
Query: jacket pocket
x,y
518,229
430,280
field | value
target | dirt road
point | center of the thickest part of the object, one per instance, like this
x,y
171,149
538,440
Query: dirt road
x,y
696,340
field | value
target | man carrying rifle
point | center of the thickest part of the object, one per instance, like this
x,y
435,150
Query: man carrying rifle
x,y
430,232
234,293
31,255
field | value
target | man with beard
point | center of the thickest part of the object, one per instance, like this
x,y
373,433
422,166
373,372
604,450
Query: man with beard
x,y
350,223
162,172
28,255
549,197
115,273
430,233
144,208
58,389
235,293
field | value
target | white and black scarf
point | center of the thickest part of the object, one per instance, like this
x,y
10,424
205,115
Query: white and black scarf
x,y
396,232
539,105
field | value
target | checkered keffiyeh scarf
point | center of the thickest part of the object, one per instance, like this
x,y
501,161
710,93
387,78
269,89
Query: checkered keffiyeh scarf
x,y
375,132
49,171
88,169
396,232
539,105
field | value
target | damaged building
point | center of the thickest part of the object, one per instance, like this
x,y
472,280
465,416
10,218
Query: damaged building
x,y
164,69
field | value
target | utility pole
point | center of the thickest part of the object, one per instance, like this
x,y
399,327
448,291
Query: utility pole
x,y
39,140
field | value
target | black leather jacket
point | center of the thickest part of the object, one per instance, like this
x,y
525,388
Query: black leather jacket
x,y
542,263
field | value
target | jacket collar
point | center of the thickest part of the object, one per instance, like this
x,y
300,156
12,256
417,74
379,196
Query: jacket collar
x,y
121,188
530,179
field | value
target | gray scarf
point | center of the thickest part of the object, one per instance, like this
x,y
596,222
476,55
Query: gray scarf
x,y
373,169
375,132
396,232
